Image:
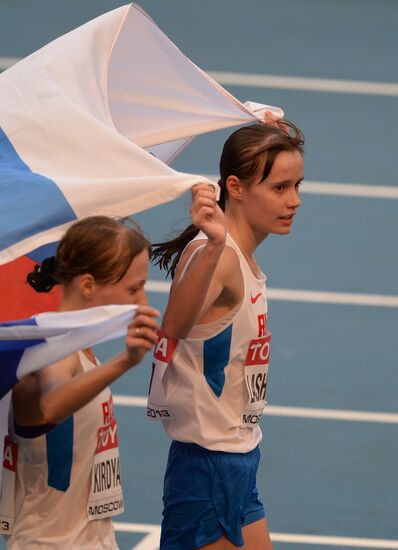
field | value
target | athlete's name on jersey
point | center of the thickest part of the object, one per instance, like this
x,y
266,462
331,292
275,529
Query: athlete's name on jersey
x,y
257,386
165,347
251,418
154,412
10,454
107,437
106,474
108,410
100,509
258,351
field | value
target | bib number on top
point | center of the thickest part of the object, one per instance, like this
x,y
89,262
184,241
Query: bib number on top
x,y
106,497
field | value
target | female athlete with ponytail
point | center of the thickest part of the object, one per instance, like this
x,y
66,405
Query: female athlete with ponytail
x,y
211,362
63,428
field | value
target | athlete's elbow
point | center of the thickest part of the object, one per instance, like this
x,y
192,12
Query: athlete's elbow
x,y
50,413
173,329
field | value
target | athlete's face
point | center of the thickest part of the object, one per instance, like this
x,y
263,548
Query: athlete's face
x,y
129,290
271,204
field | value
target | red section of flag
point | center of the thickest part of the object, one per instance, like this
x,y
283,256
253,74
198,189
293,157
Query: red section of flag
x,y
19,300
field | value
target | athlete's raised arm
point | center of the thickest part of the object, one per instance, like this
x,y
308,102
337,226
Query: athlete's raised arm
x,y
205,270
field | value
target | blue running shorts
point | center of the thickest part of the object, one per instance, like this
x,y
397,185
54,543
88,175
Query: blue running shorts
x,y
208,494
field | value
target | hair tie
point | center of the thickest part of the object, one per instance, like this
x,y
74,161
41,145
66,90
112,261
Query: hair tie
x,y
47,265
42,277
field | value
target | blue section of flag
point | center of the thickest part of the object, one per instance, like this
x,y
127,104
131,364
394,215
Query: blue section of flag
x,y
30,202
9,361
60,455
216,358
11,352
13,345
45,251
25,322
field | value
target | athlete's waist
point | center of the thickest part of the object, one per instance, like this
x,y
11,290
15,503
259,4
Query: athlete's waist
x,y
199,449
236,440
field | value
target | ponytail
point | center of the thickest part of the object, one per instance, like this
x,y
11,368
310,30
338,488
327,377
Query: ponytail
x,y
162,253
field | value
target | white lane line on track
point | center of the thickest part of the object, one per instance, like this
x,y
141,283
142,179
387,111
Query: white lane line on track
x,y
152,541
292,412
285,82
333,541
350,190
342,189
305,83
378,300
309,296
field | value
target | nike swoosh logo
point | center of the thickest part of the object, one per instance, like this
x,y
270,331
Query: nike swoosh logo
x,y
254,300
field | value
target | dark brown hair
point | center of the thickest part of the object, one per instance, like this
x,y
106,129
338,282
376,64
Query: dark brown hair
x,y
246,151
98,245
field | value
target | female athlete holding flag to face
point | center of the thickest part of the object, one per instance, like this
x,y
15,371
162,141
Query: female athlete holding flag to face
x,y
211,362
63,429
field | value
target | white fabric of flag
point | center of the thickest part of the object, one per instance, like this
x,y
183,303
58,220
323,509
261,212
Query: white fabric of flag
x,y
48,337
89,122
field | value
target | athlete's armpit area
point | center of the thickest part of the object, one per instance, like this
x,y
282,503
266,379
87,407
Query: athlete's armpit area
x,y
207,279
229,275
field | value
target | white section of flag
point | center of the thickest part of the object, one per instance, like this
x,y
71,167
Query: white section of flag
x,y
86,110
67,332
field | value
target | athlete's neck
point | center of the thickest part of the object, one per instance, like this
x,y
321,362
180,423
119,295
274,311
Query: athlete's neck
x,y
243,234
70,302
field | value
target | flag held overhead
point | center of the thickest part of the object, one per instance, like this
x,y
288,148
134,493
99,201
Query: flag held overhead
x,y
80,118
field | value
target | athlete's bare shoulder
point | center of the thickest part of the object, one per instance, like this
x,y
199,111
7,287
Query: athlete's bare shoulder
x,y
227,264
29,390
31,385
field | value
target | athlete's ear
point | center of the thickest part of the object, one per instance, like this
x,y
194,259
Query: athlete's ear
x,y
234,187
86,283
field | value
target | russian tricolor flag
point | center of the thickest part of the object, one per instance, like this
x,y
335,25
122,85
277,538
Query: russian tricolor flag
x,y
88,125
27,345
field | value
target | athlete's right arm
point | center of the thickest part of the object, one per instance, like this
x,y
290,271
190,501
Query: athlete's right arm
x,y
206,277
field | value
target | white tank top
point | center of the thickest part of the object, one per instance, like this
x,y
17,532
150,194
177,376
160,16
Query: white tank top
x,y
209,388
67,478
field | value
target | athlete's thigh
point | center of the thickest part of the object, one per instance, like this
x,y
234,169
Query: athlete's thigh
x,y
255,535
